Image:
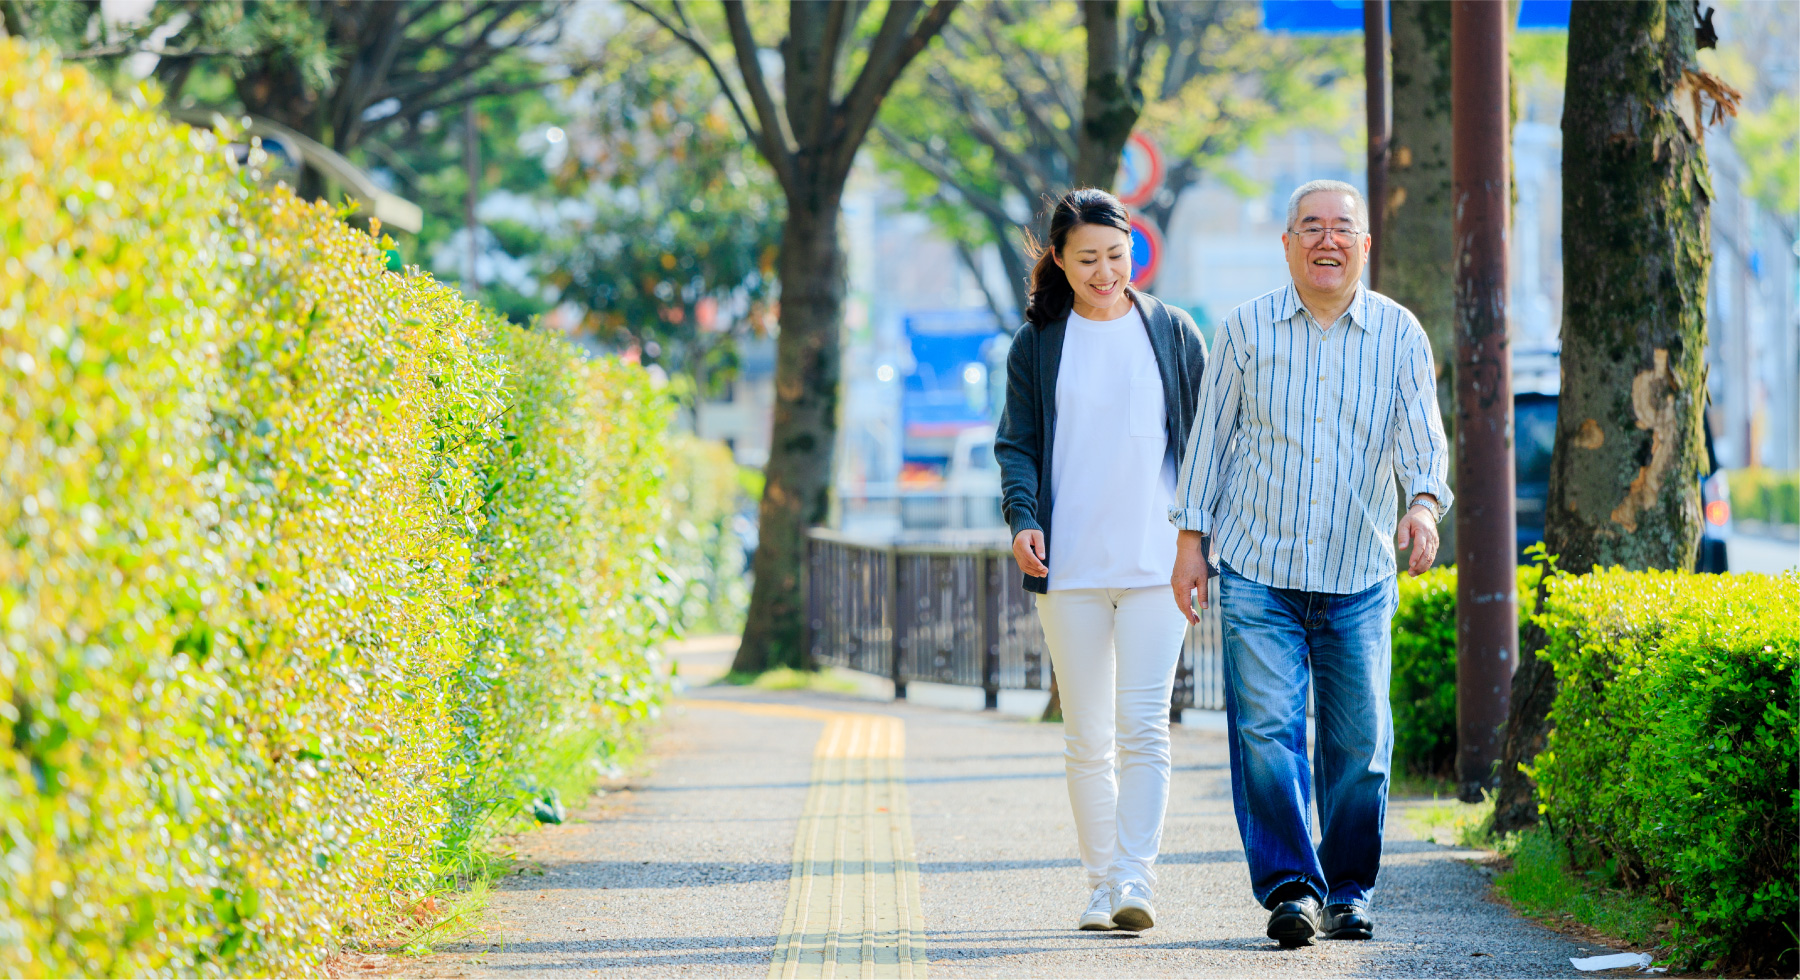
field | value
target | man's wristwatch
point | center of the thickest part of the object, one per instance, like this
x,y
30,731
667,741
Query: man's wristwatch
x,y
1426,501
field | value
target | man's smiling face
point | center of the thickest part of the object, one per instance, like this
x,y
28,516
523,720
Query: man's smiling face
x,y
1327,263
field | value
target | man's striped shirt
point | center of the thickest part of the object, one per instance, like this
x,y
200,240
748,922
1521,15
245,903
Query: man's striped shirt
x,y
1300,434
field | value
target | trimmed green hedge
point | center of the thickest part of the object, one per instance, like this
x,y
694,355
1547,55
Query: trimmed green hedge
x,y
1422,686
307,569
1672,759
1770,496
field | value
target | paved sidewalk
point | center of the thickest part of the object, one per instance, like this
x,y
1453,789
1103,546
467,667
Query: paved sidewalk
x,y
688,873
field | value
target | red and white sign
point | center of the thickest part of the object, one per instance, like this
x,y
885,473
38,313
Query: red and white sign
x,y
1140,171
1146,252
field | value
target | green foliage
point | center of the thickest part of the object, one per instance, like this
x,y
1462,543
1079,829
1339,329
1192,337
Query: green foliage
x,y
704,553
385,84
309,570
1671,764
1768,140
1770,496
1422,688
985,126
677,257
1543,884
1452,822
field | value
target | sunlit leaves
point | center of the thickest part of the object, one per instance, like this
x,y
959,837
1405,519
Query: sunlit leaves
x,y
1671,764
304,564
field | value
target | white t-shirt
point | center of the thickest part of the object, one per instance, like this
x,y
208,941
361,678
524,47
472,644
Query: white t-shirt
x,y
1112,477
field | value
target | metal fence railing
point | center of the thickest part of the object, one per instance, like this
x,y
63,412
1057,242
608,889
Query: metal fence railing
x,y
956,614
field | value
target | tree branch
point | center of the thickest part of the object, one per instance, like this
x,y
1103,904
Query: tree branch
x,y
977,198
466,95
1141,36
451,28
466,55
686,35
775,141
817,107
1010,240
1054,83
12,17
893,49
1027,176
1044,130
967,256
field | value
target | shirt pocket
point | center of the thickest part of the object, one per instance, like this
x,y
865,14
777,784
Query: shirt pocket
x,y
1147,408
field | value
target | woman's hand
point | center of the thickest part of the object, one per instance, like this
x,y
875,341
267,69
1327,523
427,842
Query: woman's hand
x,y
1028,550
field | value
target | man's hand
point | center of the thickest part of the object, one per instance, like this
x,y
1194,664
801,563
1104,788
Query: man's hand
x,y
1028,551
1189,577
1418,529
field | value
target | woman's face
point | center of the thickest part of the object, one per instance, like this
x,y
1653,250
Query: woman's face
x,y
1097,260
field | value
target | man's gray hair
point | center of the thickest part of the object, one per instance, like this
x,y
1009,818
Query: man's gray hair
x,y
1337,186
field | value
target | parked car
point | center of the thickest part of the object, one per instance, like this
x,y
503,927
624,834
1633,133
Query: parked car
x,y
1534,438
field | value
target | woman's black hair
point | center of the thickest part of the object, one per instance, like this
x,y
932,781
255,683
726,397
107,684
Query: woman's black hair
x,y
1051,295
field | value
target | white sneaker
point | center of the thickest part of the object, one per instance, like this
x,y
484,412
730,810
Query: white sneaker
x,y
1099,910
1131,908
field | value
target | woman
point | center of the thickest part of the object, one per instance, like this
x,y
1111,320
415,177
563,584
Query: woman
x,y
1101,388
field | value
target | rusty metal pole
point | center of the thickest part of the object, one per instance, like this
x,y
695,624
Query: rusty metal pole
x,y
1381,123
1487,623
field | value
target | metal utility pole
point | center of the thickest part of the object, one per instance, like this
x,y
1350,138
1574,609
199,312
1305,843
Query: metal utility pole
x,y
1487,622
1381,123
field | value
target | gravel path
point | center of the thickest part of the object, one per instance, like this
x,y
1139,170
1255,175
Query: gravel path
x,y
687,872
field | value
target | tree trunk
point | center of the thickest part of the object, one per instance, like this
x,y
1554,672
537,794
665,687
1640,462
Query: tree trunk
x,y
796,494
1111,102
1418,247
1416,256
1635,260
813,168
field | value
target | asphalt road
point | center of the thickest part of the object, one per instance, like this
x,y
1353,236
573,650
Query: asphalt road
x,y
687,871
1770,556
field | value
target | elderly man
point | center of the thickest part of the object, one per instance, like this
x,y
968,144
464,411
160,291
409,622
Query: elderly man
x,y
1316,397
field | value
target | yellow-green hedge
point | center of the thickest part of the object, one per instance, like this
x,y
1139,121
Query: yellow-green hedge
x,y
1671,765
1422,682
1770,496
305,567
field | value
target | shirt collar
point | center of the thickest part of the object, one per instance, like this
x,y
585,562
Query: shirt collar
x,y
1288,305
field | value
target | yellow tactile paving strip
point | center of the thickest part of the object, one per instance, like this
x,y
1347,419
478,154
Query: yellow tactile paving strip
x,y
853,894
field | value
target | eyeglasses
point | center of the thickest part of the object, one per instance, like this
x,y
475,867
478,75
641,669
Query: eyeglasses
x,y
1341,237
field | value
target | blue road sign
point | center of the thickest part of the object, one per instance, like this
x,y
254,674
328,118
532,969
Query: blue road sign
x,y
1544,15
1345,16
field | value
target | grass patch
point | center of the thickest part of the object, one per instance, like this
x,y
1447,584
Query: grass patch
x,y
829,680
1453,823
1412,786
451,910
1542,884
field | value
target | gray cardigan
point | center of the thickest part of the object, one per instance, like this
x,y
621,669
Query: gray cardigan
x,y
1027,430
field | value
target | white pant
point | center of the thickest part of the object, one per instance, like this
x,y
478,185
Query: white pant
x,y
1120,701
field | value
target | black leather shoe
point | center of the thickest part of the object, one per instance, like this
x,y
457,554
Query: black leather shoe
x,y
1295,923
1346,921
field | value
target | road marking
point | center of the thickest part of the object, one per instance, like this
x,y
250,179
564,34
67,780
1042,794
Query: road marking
x,y
853,892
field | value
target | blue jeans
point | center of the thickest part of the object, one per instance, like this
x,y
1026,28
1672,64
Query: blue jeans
x,y
1277,642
